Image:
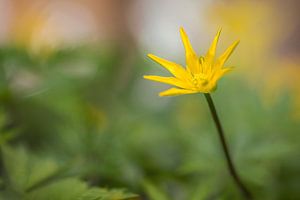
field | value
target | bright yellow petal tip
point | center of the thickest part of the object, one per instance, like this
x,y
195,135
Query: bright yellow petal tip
x,y
192,61
212,50
201,73
175,92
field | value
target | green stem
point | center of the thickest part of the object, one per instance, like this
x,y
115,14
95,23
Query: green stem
x,y
230,165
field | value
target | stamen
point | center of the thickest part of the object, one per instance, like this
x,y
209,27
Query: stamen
x,y
200,80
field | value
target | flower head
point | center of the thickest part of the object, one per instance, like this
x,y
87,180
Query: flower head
x,y
201,73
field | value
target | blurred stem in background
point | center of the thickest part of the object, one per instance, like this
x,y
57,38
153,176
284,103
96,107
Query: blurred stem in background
x,y
230,165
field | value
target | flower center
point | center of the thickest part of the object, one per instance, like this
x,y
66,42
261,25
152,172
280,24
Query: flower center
x,y
200,80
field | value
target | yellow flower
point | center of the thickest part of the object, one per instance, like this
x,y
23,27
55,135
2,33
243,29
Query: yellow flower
x,y
201,73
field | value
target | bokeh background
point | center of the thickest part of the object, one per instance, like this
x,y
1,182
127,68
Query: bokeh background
x,y
77,121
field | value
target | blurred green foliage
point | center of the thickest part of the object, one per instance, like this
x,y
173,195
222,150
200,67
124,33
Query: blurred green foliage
x,y
81,120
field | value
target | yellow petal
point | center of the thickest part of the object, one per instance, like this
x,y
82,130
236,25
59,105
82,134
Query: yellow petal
x,y
192,61
212,50
177,70
168,80
222,72
226,70
223,58
176,91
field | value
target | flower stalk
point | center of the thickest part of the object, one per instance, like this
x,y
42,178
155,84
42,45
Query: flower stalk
x,y
243,189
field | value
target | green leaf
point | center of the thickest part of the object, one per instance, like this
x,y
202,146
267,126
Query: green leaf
x,y
16,163
25,170
5,135
104,194
154,192
66,189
